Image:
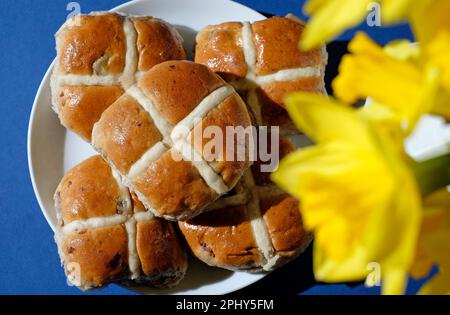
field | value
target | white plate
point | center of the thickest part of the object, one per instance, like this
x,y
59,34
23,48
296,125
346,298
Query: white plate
x,y
52,150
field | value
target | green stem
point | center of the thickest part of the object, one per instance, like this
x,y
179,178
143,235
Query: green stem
x,y
433,174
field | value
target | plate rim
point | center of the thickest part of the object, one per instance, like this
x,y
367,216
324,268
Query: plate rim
x,y
32,126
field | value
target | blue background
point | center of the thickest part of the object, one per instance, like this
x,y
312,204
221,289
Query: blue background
x,y
29,262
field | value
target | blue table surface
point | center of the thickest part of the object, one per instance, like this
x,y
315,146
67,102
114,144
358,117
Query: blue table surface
x,y
29,261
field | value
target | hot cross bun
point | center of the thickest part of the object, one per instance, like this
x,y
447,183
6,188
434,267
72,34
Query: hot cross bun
x,y
153,136
105,234
258,227
263,62
99,56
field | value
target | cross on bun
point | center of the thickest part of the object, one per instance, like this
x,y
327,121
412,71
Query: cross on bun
x,y
99,56
151,136
258,228
105,234
263,62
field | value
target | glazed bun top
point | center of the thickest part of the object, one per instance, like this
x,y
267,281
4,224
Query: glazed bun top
x,y
261,48
104,43
105,234
262,60
153,135
256,227
99,56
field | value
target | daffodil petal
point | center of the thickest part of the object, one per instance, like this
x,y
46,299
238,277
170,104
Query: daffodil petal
x,y
331,181
369,71
309,173
403,50
433,243
441,106
438,201
330,18
395,247
394,281
380,115
438,285
326,269
326,120
383,118
312,6
437,54
401,85
436,226
284,176
422,266
429,18
393,11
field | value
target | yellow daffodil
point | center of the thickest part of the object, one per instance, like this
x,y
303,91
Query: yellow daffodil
x,y
437,54
393,77
329,18
431,24
433,245
429,18
357,193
